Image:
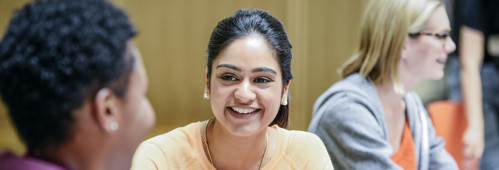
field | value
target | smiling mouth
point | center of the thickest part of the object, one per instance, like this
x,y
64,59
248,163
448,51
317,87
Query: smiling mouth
x,y
441,61
243,111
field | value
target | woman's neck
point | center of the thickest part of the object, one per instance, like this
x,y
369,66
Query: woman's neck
x,y
387,93
229,151
392,102
407,78
394,110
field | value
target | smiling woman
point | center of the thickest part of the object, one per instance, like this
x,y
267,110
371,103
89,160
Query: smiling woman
x,y
246,87
371,119
247,80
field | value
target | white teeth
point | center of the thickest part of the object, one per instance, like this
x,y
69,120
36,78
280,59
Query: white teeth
x,y
243,111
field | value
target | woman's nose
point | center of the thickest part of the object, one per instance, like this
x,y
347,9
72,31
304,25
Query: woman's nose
x,y
450,46
244,92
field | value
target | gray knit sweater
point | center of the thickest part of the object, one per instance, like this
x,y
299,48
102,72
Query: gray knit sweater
x,y
349,118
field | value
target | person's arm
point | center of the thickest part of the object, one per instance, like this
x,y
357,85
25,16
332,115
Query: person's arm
x,y
471,58
353,137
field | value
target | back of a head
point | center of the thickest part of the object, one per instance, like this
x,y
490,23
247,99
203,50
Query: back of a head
x,y
384,27
56,54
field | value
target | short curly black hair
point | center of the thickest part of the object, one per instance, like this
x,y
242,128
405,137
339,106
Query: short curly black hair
x,y
56,54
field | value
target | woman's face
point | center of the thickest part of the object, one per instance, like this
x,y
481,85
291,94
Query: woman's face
x,y
137,113
246,88
424,56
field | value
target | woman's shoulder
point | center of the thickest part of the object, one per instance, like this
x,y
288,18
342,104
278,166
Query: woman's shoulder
x,y
413,97
297,138
299,141
354,89
354,83
175,141
303,150
176,136
9,160
176,148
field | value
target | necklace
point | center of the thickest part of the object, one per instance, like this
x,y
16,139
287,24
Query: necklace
x,y
205,141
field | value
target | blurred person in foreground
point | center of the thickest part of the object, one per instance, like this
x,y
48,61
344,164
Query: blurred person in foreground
x,y
371,119
75,86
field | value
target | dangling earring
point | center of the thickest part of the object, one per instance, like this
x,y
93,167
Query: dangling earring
x,y
285,103
113,126
205,96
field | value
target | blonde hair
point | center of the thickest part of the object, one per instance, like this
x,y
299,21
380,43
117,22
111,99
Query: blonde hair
x,y
384,28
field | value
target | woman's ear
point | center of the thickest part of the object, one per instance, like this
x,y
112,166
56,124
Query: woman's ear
x,y
106,112
285,93
206,94
405,47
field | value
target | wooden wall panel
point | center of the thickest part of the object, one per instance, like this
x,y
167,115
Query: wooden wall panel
x,y
8,136
334,27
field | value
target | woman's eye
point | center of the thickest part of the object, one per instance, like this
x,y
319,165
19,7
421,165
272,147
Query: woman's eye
x,y
442,35
228,78
262,80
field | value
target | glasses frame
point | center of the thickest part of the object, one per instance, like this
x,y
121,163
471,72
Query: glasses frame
x,y
440,36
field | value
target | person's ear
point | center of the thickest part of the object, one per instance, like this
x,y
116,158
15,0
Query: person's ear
x,y
106,111
405,47
206,94
285,92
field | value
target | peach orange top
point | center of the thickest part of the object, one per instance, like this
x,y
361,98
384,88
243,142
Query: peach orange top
x,y
182,148
405,156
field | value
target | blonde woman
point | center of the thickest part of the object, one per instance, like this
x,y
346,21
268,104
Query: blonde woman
x,y
247,81
371,119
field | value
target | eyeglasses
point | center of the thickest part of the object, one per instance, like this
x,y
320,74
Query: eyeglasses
x,y
440,36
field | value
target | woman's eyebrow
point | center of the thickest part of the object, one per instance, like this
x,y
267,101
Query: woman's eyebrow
x,y
259,69
229,66
264,69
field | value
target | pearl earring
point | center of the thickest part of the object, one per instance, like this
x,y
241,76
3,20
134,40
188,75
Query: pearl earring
x,y
285,103
113,126
205,96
